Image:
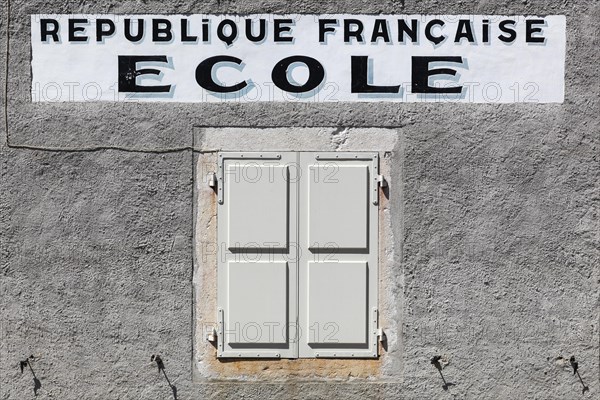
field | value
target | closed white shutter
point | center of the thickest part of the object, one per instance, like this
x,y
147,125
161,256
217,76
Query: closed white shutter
x,y
338,227
297,262
257,260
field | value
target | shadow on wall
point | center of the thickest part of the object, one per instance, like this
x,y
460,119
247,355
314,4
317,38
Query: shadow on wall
x,y
439,362
436,361
37,384
161,368
575,366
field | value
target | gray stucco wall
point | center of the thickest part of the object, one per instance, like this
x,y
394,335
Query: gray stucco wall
x,y
494,213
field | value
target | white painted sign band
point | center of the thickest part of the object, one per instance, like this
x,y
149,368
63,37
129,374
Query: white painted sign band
x,y
305,58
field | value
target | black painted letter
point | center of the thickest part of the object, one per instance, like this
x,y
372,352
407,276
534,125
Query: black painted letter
x,y
74,29
45,31
316,73
421,74
359,75
161,30
204,75
128,73
429,28
530,30
140,31
101,32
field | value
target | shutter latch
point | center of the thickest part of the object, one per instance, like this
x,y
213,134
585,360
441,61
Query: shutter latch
x,y
212,335
212,180
381,180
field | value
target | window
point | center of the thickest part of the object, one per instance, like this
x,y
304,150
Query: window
x,y
297,258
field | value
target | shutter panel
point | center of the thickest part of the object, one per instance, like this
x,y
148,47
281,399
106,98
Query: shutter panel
x,y
257,260
338,225
337,210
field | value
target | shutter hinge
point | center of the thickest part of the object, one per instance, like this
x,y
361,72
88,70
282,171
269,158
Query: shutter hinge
x,y
380,334
220,332
381,180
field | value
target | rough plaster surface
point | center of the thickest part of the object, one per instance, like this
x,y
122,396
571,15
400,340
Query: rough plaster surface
x,y
497,246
